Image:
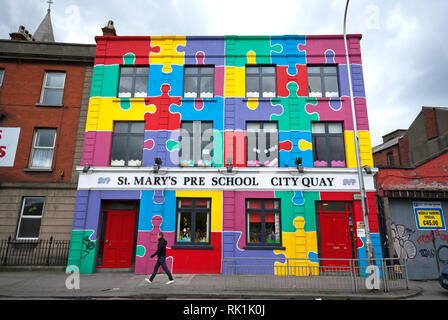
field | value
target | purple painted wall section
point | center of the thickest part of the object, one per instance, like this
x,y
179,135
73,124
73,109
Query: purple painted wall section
x,y
357,81
88,207
203,50
234,231
237,112
155,145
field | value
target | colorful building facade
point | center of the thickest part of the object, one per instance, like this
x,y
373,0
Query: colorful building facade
x,y
233,146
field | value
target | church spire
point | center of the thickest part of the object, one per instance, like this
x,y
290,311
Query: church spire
x,y
45,30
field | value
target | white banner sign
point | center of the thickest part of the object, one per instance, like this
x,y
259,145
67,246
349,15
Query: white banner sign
x,y
9,137
280,179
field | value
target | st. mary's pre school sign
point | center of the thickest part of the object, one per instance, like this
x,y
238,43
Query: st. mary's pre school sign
x,y
104,178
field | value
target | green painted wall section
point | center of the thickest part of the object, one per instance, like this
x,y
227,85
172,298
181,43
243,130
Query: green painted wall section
x,y
290,210
105,81
237,49
294,114
82,251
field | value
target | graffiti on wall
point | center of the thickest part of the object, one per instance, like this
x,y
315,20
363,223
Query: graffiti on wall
x,y
90,245
407,249
429,238
403,246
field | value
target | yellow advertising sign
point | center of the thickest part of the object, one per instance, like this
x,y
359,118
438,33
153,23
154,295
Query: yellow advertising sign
x,y
429,216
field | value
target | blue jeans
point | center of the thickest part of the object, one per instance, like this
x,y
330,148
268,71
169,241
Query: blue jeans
x,y
161,263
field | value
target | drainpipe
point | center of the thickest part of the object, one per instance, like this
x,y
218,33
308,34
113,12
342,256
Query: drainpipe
x,y
362,189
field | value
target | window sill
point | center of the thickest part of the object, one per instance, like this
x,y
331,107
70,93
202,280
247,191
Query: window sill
x,y
25,240
325,99
192,246
195,99
50,105
277,99
264,247
130,99
38,170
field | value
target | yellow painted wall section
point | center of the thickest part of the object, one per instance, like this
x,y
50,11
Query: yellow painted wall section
x,y
216,210
365,148
168,54
235,82
297,245
104,111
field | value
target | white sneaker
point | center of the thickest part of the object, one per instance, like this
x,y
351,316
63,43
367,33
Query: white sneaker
x,y
170,282
147,280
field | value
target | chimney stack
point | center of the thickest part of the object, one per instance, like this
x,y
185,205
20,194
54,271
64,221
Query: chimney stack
x,y
109,30
21,34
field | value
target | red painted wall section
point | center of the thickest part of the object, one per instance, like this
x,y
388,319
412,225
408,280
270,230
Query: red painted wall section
x,y
112,52
432,175
198,260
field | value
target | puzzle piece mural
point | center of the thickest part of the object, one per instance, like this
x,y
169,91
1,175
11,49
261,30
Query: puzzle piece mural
x,y
162,118
290,53
169,53
229,109
295,115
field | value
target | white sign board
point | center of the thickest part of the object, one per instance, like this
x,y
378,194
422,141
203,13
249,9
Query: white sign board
x,y
9,137
277,179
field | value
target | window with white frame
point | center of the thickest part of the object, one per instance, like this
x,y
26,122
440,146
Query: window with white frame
x,y
30,218
133,82
53,88
199,81
127,144
43,148
328,144
260,81
323,81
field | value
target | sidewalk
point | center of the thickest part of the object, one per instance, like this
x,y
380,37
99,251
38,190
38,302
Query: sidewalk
x,y
126,285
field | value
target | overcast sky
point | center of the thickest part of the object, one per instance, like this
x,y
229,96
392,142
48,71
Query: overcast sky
x,y
404,45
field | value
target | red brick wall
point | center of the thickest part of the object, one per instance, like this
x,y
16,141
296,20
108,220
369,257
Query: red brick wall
x,y
429,116
404,150
380,158
21,90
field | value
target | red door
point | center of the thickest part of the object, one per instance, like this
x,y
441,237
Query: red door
x,y
335,239
119,239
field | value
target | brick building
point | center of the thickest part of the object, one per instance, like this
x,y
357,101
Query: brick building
x,y
44,89
412,180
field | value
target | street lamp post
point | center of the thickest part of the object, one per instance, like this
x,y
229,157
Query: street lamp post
x,y
362,189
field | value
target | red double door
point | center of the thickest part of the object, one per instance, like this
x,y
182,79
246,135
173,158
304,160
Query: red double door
x,y
336,232
119,237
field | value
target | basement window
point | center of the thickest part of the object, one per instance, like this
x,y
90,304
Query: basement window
x,y
30,218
